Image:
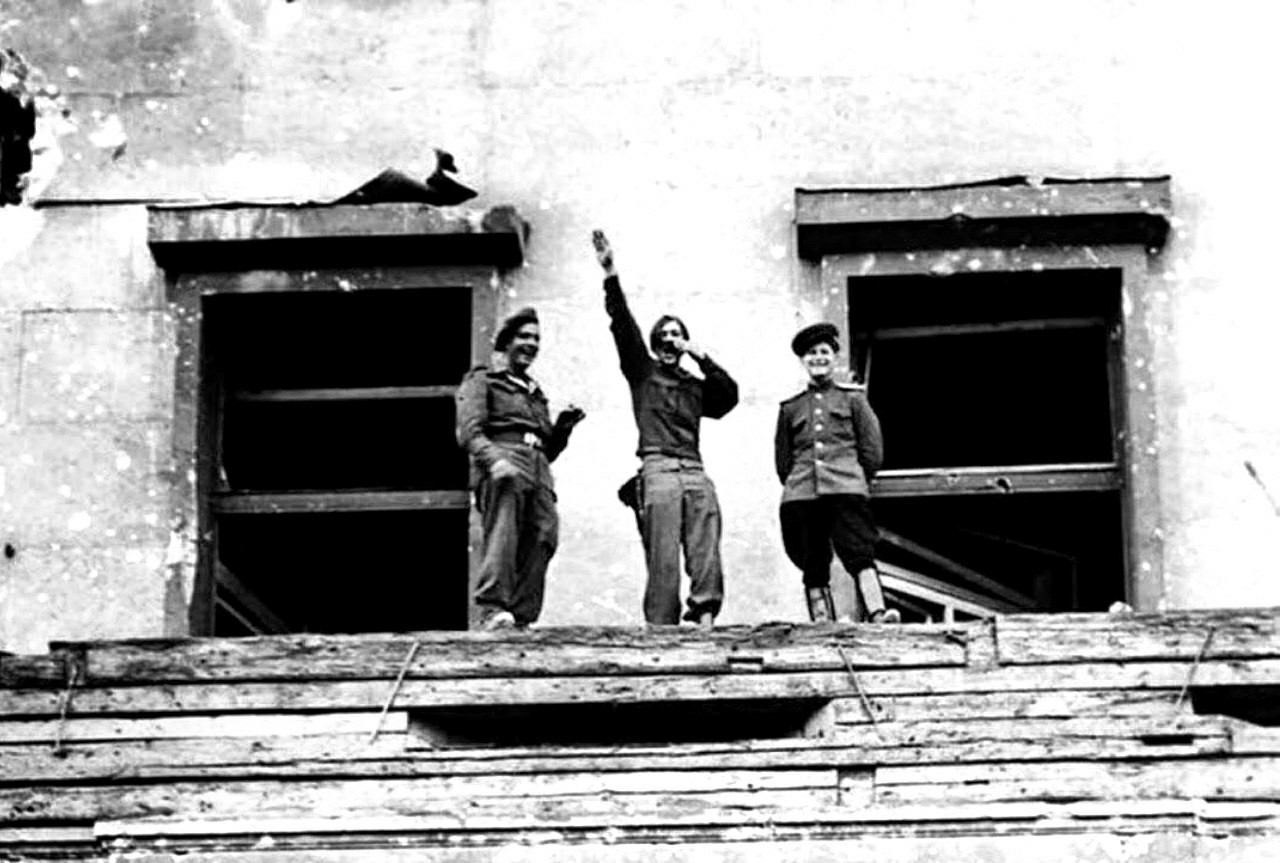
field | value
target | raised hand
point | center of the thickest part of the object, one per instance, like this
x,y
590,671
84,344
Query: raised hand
x,y
604,252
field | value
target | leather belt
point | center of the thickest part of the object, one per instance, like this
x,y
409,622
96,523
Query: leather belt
x,y
527,438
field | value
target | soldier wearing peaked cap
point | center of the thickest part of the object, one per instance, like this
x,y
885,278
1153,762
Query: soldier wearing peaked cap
x,y
504,424
827,450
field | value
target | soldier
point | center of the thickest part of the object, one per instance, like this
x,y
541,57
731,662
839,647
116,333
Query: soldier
x,y
505,426
827,450
676,500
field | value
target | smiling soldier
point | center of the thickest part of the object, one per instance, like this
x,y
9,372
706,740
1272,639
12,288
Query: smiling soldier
x,y
505,426
827,450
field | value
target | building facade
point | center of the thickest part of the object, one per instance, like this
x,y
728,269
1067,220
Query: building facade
x,y
712,142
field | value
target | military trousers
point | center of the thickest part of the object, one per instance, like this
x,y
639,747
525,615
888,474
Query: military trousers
x,y
679,512
841,523
520,532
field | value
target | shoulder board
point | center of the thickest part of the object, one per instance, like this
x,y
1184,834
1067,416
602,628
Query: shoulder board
x,y
861,388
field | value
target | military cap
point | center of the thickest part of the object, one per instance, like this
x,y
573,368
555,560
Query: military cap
x,y
812,335
511,325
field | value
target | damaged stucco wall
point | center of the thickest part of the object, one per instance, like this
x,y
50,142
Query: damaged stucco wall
x,y
682,129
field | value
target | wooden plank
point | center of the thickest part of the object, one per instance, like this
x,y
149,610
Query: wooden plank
x,y
459,798
976,579
916,482
1241,634
259,503
561,651
898,579
28,670
997,705
366,695
345,394
1240,778
881,334
85,729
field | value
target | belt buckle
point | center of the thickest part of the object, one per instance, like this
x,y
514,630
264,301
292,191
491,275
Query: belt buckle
x,y
531,439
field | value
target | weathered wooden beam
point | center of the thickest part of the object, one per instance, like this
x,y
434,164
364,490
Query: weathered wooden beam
x,y
29,670
561,651
1010,479
1228,778
495,692
1237,634
550,796
241,503
997,705
80,729
344,394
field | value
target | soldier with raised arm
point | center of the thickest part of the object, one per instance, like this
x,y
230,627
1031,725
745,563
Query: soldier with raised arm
x,y
675,499
504,424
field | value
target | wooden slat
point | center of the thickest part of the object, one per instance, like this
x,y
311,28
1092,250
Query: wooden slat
x,y
365,695
1240,778
259,503
997,705
232,594
460,798
975,579
577,651
1243,634
27,670
939,592
916,482
344,394
881,334
290,725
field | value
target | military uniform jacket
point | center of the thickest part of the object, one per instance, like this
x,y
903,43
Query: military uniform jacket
x,y
828,442
492,403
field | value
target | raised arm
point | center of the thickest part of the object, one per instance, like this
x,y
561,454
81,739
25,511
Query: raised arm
x,y
633,353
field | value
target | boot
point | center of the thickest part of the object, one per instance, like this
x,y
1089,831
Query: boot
x,y
873,598
822,608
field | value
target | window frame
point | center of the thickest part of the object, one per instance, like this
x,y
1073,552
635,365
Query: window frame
x,y
1005,227
244,249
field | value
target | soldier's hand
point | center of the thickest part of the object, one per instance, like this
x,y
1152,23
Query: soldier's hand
x,y
501,469
570,417
691,348
604,252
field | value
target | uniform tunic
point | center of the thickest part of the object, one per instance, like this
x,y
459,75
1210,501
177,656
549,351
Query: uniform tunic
x,y
827,450
677,502
502,415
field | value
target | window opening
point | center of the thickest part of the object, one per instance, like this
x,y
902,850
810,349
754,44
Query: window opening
x,y
998,395
339,498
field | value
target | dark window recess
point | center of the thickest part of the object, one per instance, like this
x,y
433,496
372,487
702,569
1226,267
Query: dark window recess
x,y
353,571
1257,704
1061,551
997,394
338,490
640,724
17,126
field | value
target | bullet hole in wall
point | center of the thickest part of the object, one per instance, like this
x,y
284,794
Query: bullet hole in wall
x,y
9,551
